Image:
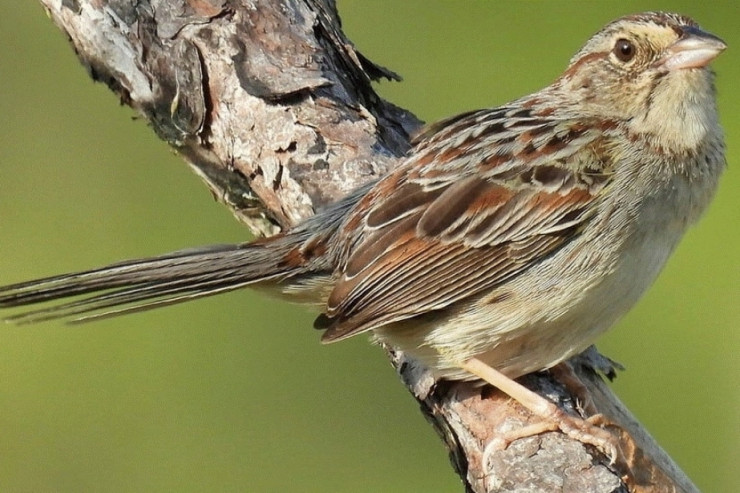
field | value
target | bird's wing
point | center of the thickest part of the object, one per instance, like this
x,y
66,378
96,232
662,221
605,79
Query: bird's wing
x,y
483,197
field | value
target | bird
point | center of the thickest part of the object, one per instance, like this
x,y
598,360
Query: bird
x,y
506,240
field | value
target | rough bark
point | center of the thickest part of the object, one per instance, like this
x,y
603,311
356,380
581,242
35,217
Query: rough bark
x,y
273,107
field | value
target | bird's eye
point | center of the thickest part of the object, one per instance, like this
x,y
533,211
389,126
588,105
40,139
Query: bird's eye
x,y
624,50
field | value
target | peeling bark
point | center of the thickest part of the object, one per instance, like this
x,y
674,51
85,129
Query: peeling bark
x,y
273,108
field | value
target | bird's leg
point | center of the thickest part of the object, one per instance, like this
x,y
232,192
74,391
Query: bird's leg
x,y
554,418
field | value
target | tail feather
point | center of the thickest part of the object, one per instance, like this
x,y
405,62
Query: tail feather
x,y
144,284
294,260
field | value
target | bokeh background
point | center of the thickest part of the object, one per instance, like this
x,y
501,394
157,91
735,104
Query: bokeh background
x,y
234,393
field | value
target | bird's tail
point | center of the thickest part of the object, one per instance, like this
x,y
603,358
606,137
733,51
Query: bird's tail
x,y
143,284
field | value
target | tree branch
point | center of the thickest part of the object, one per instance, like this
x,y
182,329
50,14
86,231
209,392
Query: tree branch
x,y
273,107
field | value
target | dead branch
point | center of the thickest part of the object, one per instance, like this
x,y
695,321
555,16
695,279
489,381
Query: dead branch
x,y
273,107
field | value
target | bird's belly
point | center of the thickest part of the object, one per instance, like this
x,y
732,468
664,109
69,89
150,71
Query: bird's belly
x,y
548,314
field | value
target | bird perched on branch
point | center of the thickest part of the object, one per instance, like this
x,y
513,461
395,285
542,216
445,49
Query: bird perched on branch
x,y
506,241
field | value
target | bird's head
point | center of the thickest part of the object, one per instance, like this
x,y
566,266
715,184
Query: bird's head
x,y
651,72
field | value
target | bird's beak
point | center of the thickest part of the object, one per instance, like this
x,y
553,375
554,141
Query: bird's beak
x,y
694,49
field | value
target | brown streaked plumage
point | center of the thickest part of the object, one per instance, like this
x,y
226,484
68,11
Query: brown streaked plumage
x,y
508,239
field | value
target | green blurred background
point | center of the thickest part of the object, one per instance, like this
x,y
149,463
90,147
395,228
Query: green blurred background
x,y
234,393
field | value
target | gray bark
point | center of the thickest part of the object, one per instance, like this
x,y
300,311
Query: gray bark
x,y
273,107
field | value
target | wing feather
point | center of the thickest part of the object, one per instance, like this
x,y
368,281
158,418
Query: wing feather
x,y
454,222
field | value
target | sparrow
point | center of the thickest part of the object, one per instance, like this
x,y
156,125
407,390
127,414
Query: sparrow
x,y
504,243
